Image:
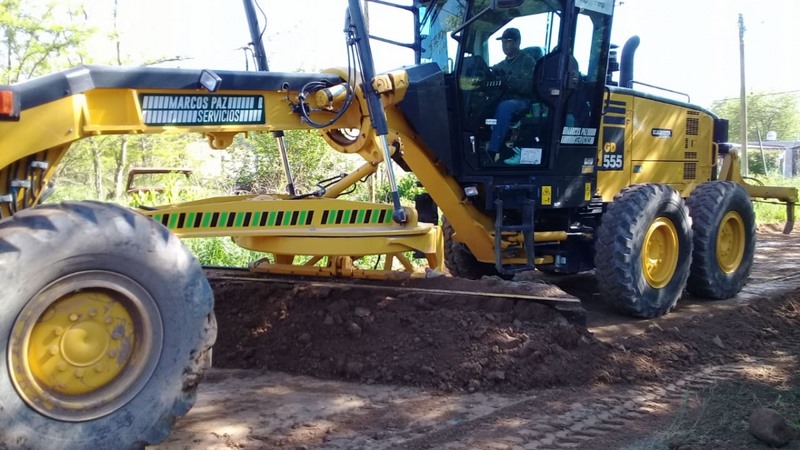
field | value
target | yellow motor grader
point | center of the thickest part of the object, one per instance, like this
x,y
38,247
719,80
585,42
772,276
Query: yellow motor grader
x,y
107,320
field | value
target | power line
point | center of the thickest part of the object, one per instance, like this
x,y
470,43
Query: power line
x,y
766,94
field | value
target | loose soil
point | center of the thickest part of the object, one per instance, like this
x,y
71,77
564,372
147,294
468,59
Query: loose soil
x,y
457,344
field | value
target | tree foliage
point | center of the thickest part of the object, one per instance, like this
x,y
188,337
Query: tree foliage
x,y
255,164
765,112
90,167
38,39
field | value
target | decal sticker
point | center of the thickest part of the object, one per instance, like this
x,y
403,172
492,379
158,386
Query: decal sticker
x,y
578,136
662,133
587,192
262,219
491,122
601,6
202,109
547,195
612,152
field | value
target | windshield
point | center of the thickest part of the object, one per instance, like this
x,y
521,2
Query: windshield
x,y
526,73
441,18
438,20
537,21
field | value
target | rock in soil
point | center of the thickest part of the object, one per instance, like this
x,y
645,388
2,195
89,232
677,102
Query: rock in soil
x,y
768,426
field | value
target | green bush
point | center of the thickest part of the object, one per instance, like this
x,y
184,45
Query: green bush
x,y
755,163
221,251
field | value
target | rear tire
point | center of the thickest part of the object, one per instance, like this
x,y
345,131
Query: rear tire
x,y
459,260
106,325
724,227
643,250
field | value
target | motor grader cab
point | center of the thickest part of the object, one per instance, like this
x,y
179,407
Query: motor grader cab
x,y
541,180
591,173
107,320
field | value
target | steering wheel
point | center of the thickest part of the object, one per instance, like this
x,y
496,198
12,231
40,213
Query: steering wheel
x,y
482,90
476,74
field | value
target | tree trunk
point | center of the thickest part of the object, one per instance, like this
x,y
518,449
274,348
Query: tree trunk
x,y
98,170
122,161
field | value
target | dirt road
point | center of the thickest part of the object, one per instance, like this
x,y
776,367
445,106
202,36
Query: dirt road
x,y
408,373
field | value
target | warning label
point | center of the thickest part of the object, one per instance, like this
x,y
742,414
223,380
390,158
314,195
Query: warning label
x,y
159,109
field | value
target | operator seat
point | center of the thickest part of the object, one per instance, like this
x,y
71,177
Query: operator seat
x,y
534,52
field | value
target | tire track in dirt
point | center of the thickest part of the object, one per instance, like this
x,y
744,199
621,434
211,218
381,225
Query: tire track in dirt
x,y
582,422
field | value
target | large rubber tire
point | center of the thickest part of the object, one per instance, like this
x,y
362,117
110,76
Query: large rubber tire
x,y
724,227
644,250
459,260
106,324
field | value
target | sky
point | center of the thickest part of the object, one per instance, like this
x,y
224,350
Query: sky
x,y
690,46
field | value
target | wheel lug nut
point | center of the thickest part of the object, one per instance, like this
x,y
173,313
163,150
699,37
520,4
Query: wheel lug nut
x,y
79,373
99,368
109,320
73,317
53,350
61,366
58,331
112,353
92,312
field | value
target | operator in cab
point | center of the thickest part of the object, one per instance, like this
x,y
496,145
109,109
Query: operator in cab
x,y
516,74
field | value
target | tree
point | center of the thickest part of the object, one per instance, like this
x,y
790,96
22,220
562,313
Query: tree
x,y
255,164
111,156
765,112
34,42
36,39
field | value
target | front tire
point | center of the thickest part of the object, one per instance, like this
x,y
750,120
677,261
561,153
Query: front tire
x,y
459,260
724,227
643,250
105,327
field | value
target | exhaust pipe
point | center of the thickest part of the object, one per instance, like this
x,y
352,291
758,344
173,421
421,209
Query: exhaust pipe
x,y
626,62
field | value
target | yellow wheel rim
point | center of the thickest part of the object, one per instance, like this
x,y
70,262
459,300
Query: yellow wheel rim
x,y
660,253
730,242
85,345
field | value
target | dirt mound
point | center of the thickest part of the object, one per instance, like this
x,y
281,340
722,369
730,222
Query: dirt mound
x,y
458,343
412,339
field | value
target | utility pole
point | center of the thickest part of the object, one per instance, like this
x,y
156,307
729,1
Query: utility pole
x,y
743,99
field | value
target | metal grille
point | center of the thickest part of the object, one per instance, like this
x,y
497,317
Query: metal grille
x,y
689,171
692,126
690,155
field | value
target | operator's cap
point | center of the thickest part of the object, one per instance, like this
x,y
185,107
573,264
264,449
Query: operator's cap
x,y
511,34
